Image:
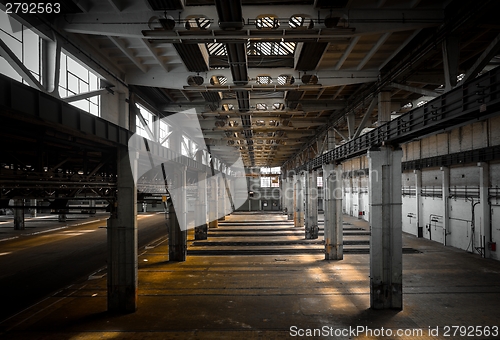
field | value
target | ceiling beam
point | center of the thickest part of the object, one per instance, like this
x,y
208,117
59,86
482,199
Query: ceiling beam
x,y
83,5
485,57
346,53
374,49
151,50
414,89
344,137
367,116
117,6
128,53
362,22
341,88
403,45
177,79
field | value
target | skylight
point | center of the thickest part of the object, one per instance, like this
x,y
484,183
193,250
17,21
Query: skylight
x,y
264,80
267,22
256,48
217,49
270,48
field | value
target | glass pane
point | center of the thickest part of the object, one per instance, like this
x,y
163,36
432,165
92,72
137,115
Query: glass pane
x,y
63,92
31,51
84,87
10,25
72,82
94,82
14,45
95,100
62,71
82,104
77,69
94,109
6,69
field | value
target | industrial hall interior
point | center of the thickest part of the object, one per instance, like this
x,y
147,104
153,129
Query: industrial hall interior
x,y
259,169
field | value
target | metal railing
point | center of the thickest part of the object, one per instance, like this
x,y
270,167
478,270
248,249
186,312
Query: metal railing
x,y
472,101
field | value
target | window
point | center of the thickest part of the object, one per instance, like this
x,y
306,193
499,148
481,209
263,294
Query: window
x,y
265,182
75,79
267,22
286,79
271,48
148,119
24,43
274,171
164,130
320,182
264,80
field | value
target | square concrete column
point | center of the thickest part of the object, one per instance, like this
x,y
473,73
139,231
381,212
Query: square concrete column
x,y
33,209
298,202
386,253
213,202
332,205
446,198
288,194
485,212
221,198
283,189
19,214
177,234
418,202
201,228
331,139
311,210
384,107
122,239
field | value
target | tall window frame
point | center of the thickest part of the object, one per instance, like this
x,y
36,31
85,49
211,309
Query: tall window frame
x,y
74,78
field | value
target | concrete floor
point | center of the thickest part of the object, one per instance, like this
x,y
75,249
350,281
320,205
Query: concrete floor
x,y
270,287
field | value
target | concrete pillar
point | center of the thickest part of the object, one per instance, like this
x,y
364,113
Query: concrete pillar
x,y
418,203
360,199
213,200
221,197
289,198
132,113
311,201
201,229
332,205
177,235
331,139
33,210
384,107
485,212
92,207
446,198
298,204
122,239
283,189
386,255
19,214
62,217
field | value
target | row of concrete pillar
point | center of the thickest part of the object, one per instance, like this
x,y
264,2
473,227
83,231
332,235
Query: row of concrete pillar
x,y
212,204
19,211
300,197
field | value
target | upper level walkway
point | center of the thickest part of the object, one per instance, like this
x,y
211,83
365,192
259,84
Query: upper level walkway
x,y
257,278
